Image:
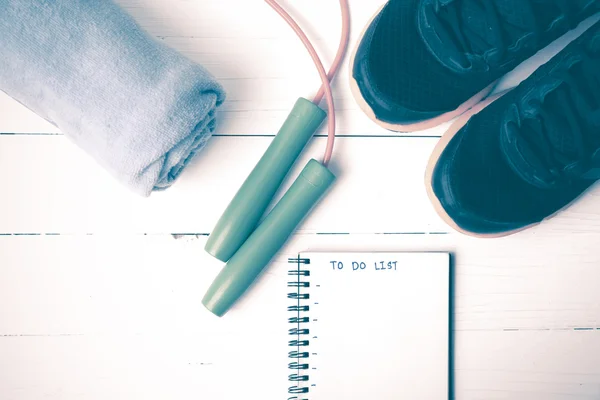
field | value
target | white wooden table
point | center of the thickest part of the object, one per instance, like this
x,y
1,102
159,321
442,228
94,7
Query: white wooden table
x,y
100,290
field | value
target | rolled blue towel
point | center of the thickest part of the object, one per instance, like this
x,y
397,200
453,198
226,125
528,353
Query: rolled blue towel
x,y
138,107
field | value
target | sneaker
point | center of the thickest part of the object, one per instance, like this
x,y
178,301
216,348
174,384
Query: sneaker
x,y
421,63
520,157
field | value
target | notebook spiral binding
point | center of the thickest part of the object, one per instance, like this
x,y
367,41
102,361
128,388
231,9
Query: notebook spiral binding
x,y
300,331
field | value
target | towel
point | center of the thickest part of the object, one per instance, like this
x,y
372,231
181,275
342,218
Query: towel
x,y
138,107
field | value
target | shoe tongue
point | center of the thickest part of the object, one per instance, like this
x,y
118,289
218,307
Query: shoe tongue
x,y
515,19
558,134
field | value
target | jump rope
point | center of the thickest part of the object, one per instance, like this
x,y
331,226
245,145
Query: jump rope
x,y
240,239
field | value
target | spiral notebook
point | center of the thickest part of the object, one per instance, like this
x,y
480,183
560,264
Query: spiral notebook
x,y
369,326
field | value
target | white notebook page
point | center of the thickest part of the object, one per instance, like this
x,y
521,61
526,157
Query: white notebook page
x,y
379,326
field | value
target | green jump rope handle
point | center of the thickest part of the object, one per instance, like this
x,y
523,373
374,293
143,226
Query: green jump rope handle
x,y
252,199
268,238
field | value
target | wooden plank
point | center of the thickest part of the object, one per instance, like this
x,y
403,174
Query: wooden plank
x,y
536,280
244,50
50,186
116,317
244,112
527,365
59,189
120,316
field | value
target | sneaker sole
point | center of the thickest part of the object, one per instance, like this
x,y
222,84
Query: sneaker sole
x,y
417,126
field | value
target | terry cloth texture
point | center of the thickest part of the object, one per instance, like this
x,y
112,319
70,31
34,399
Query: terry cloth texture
x,y
139,108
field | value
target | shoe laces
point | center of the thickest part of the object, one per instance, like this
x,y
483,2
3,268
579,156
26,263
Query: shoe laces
x,y
470,47
562,131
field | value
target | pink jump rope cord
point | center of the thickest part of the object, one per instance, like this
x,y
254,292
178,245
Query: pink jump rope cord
x,y
325,78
